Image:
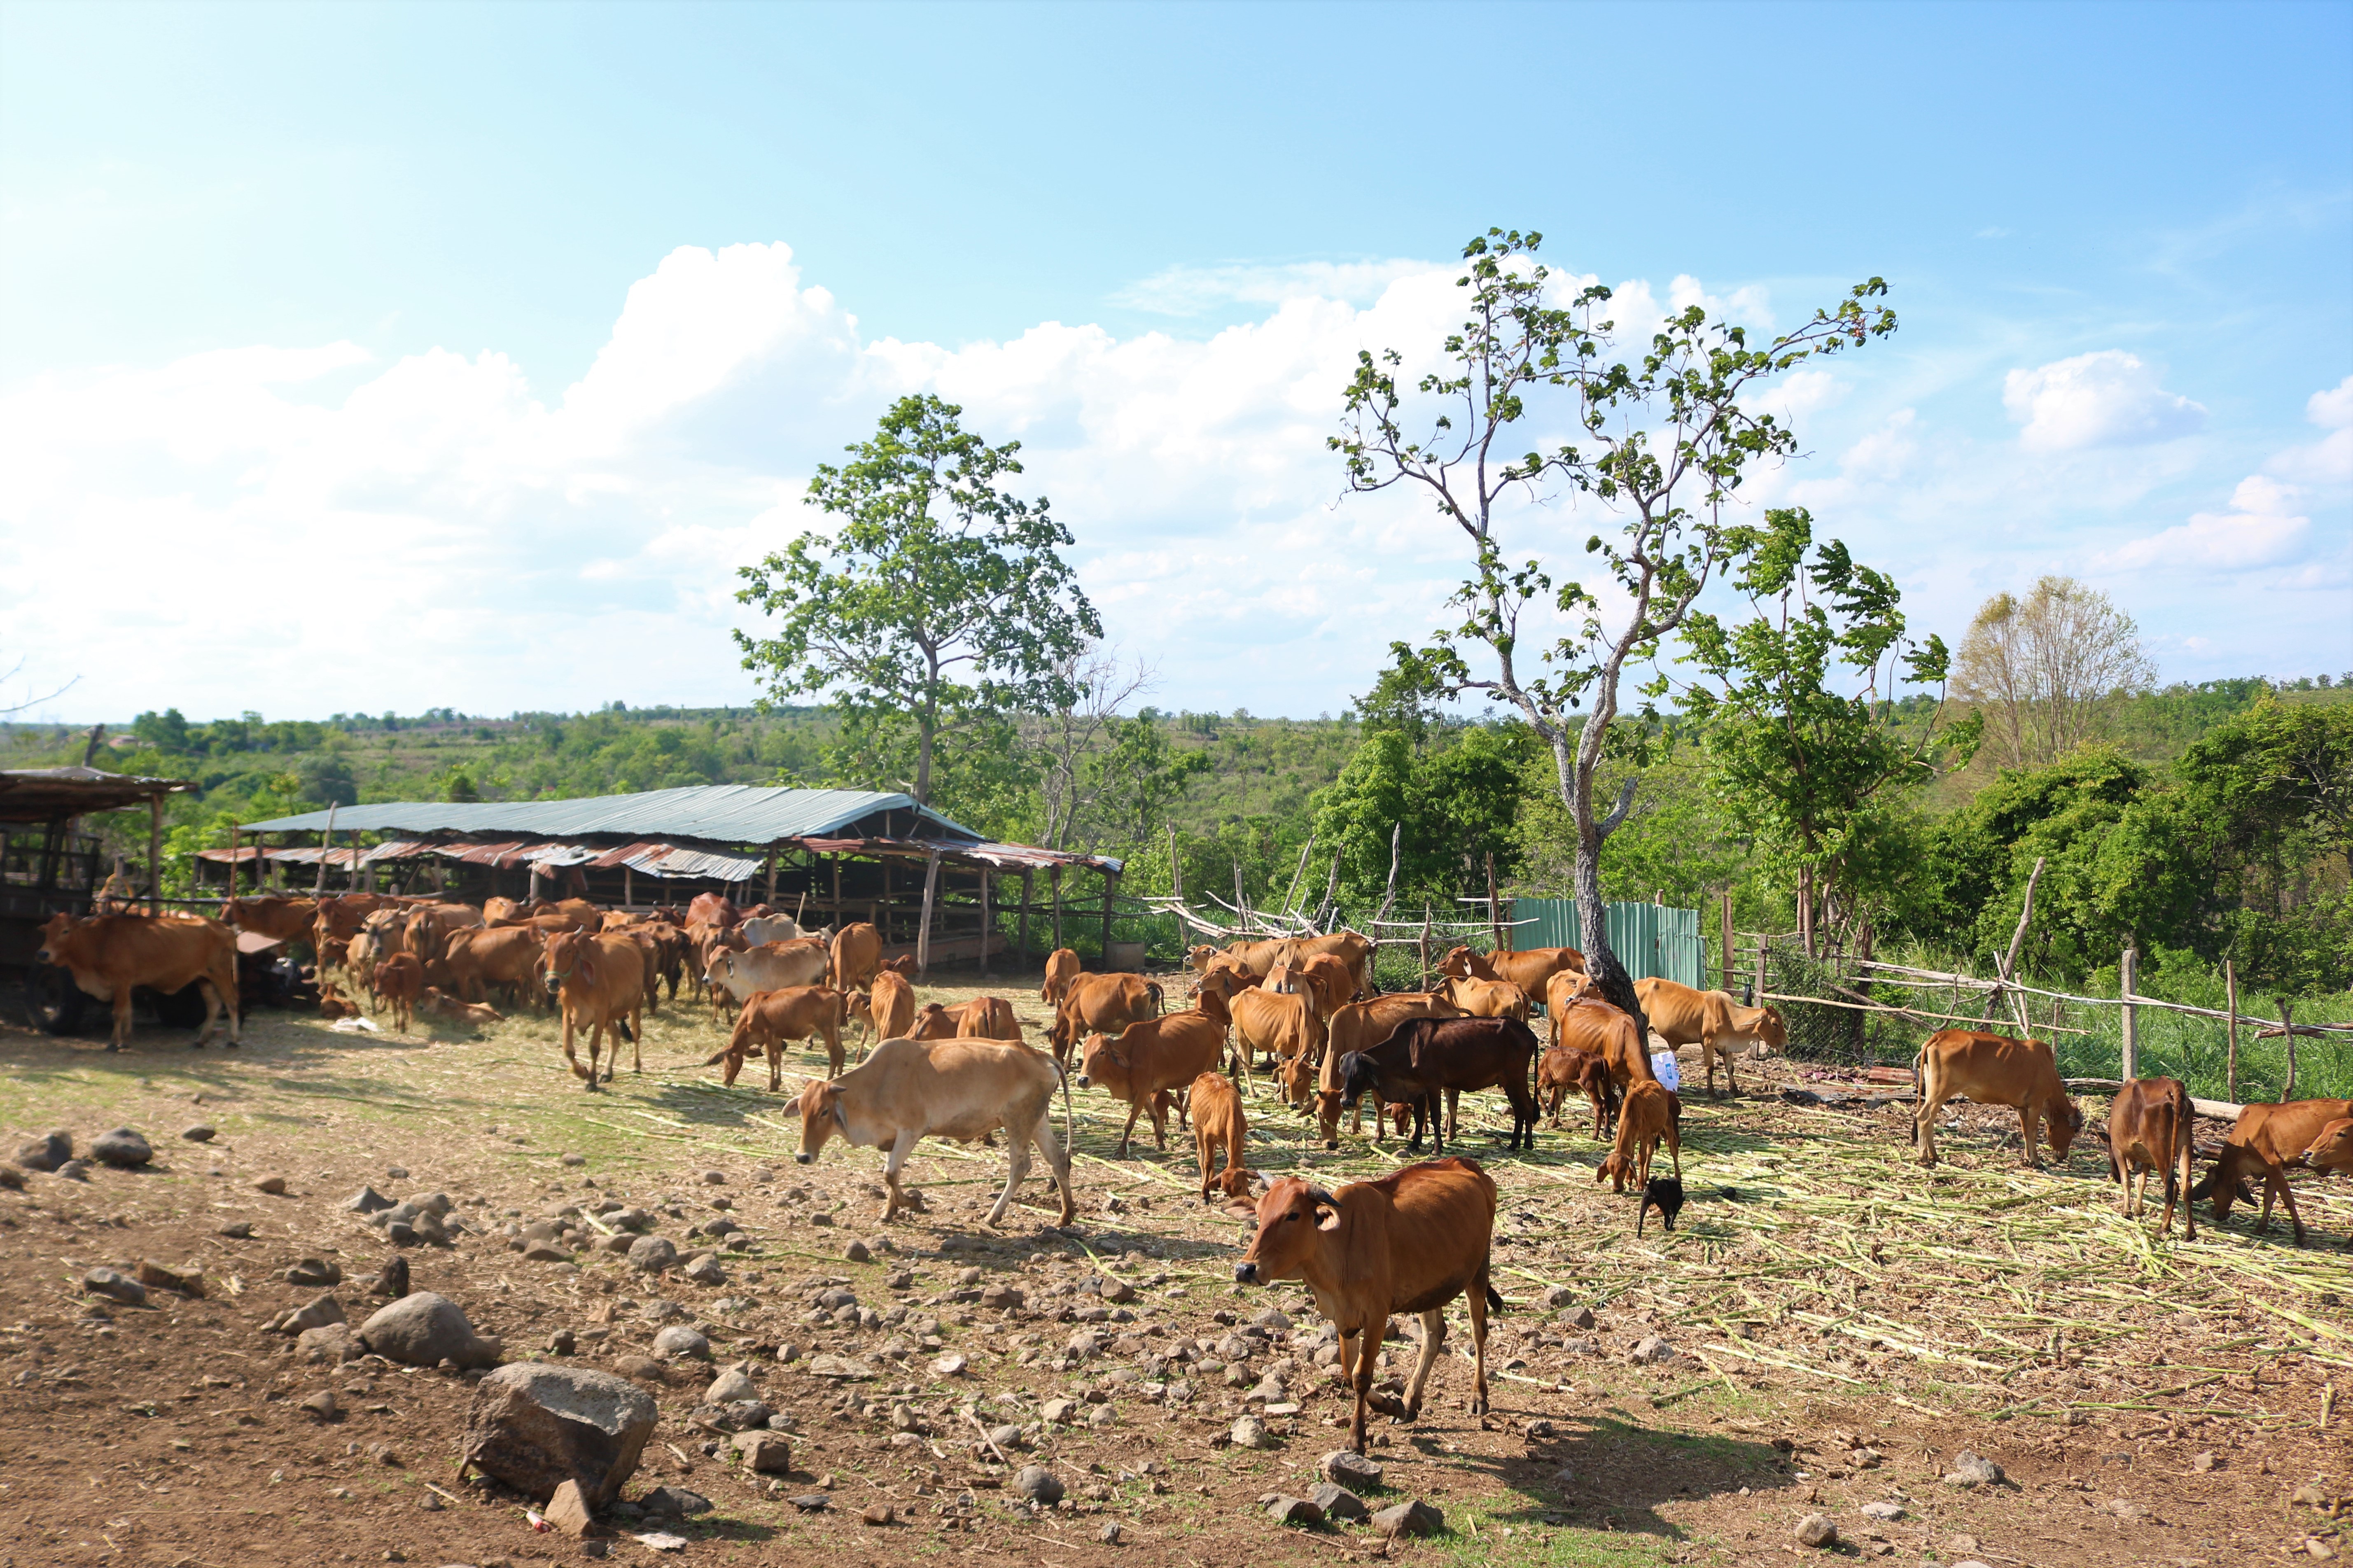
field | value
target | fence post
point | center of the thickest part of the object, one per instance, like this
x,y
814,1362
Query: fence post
x,y
155,850
326,853
2287,1029
1756,994
2128,985
923,931
1054,882
1422,982
2231,1006
1494,910
985,929
1111,892
1727,951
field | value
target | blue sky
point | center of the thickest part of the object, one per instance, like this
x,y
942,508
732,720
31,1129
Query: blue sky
x,y
290,286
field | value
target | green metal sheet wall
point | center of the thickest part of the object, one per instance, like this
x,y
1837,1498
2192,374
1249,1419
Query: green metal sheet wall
x,y
1652,941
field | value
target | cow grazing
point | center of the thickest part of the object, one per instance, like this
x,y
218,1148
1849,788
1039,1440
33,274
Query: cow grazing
x,y
1652,1113
1993,1070
108,955
2265,1141
1427,1056
1664,1194
2333,1149
501,955
1712,1021
982,1018
1488,998
2148,1130
1219,1124
772,1017
1062,966
1563,1067
1147,1059
965,1089
1590,1025
888,1007
856,953
1098,1004
732,977
599,981
1284,1027
1409,1243
434,1004
1529,971
1360,1026
399,985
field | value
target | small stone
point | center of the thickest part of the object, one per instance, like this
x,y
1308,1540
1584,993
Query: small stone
x,y
765,1453
841,1368
274,1185
396,1172
1970,1470
715,1178
952,1364
46,1153
705,1270
1581,1319
730,1387
236,1230
677,1500
1885,1512
401,1233
330,1345
678,1340
425,1329
575,1160
2308,1496
1250,1432
1057,1412
367,1200
1558,1296
652,1254
568,1510
1415,1518
1650,1350
640,1368
2125,1508
115,1286
122,1149
313,1272
562,1341
199,1134
1818,1530
320,1406
545,1252
2320,1546
1339,1502
74,1171
858,1252
1037,1484
1007,1437
812,1502
1000,1298
1295,1510
1349,1470
392,1280
2203,1462
189,1282
1110,1533
877,1514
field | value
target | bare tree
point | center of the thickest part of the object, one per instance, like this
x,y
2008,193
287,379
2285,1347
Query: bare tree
x,y
2047,669
1063,738
17,669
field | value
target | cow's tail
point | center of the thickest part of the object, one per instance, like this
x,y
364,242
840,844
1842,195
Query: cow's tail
x,y
1494,1300
1070,1134
1160,1002
1919,1086
621,1028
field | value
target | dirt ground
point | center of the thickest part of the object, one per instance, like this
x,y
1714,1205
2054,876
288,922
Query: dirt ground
x,y
1842,1325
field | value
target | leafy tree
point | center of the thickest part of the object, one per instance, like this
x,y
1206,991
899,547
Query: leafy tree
x,y
1668,442
325,779
941,598
461,786
1812,775
1451,807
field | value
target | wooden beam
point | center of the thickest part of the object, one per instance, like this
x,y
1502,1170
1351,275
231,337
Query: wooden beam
x,y
326,851
923,932
1027,877
983,922
155,854
1111,891
2128,969
1054,878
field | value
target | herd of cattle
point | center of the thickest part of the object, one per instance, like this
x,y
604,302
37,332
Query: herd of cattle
x,y
1410,1242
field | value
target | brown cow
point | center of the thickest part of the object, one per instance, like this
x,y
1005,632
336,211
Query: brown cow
x,y
431,926
1258,957
1360,1026
1353,952
1156,1055
1993,1070
434,1004
1323,977
1590,1025
495,955
732,975
1427,1056
108,955
1529,971
888,1007
2333,1149
599,981
713,908
1219,1124
277,917
1651,1113
341,914
772,1017
2148,1130
1712,1021
1284,1027
398,983
1062,966
1488,998
2265,1141
333,1004
857,954
982,1018
1563,1067
1561,992
1409,1242
965,1089
1096,1003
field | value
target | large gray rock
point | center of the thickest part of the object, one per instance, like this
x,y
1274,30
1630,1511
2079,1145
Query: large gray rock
x,y
1339,1502
1415,1518
425,1329
46,1153
536,1426
652,1252
1038,1484
1349,1470
122,1149
678,1340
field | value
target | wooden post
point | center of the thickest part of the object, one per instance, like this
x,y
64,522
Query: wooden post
x,y
1111,890
1054,883
2127,983
326,853
2231,1006
923,931
882,911
2009,963
1725,949
1388,894
1027,874
628,886
1805,908
772,874
232,857
984,929
155,854
1494,909
2287,1028
1422,982
1756,991
1291,900
838,921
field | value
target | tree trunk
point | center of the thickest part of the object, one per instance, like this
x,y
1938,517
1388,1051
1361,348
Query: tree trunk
x,y
1610,977
925,729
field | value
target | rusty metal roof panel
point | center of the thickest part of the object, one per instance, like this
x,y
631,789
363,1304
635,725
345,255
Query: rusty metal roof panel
x,y
719,813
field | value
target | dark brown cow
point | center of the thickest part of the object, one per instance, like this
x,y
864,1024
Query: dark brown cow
x,y
108,955
1409,1243
1360,1026
2265,1141
2148,1130
1427,1056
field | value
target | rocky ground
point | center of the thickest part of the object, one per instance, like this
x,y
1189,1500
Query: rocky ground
x,y
1978,1363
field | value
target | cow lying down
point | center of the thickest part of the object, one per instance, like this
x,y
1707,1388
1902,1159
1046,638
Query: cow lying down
x,y
965,1089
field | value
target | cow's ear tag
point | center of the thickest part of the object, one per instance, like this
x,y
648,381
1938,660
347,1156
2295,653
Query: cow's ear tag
x,y
1328,1217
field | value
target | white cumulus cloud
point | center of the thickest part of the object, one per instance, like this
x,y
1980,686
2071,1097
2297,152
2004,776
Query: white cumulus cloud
x,y
2329,460
2105,399
2261,527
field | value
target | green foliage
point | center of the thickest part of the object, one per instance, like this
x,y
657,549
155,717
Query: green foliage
x,y
941,602
1453,804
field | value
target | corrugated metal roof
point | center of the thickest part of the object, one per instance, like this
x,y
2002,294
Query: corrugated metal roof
x,y
718,814
39,794
998,856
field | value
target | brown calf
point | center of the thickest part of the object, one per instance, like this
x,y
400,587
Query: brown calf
x,y
2148,1130
1062,966
599,981
1993,1070
772,1017
1097,1004
2266,1141
982,1018
1218,1123
398,983
1147,1058
1651,1113
1565,1068
1410,1242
